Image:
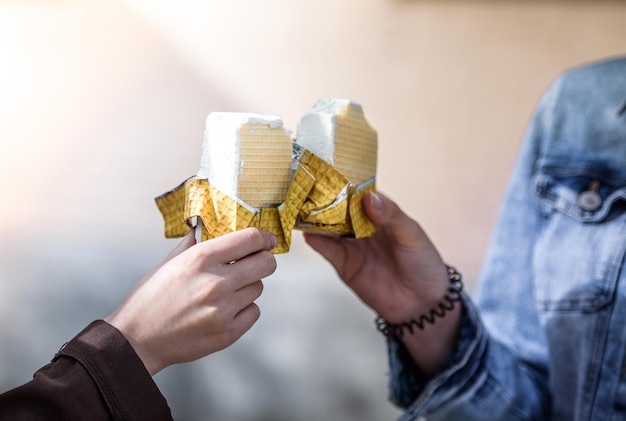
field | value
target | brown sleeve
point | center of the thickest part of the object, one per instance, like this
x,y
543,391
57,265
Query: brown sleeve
x,y
95,376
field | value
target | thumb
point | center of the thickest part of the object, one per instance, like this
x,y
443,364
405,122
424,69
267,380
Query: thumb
x,y
187,241
388,216
330,247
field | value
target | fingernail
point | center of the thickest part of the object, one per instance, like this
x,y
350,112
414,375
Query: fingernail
x,y
273,241
376,202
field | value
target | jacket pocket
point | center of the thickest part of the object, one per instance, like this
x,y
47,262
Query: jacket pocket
x,y
580,245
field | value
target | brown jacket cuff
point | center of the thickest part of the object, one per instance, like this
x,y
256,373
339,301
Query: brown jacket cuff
x,y
118,372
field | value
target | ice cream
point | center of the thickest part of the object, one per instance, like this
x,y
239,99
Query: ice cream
x,y
336,130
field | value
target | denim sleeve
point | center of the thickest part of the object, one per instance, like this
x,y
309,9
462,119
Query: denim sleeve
x,y
407,384
481,380
499,368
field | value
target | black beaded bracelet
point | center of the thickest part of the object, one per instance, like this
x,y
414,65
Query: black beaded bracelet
x,y
453,295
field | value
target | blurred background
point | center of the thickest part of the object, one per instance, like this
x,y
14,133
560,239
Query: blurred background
x,y
102,108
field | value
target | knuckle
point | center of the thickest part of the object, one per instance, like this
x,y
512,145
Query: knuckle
x,y
213,289
256,291
254,235
223,320
256,311
269,262
255,314
204,253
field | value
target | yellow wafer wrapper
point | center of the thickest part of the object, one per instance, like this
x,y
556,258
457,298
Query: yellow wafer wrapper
x,y
334,204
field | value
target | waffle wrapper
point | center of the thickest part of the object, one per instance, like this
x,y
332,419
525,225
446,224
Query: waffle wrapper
x,y
319,199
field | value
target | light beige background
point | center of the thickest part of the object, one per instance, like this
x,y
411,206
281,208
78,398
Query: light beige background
x,y
102,108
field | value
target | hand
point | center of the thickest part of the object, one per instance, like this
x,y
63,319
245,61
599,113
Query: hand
x,y
199,300
397,271
399,274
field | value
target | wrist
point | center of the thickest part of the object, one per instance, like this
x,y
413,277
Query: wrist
x,y
434,312
152,365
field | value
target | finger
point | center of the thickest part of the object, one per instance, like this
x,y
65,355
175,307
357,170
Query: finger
x,y
236,245
240,323
330,247
187,241
246,296
251,268
246,318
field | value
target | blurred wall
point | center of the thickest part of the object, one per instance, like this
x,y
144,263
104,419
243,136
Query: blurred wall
x,y
102,108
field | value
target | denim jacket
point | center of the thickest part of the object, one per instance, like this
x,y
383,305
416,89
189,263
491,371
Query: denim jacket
x,y
546,337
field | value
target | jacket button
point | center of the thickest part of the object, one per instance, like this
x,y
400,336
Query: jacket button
x,y
590,199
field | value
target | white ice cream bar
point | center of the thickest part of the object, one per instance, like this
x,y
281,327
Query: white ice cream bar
x,y
247,157
336,130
